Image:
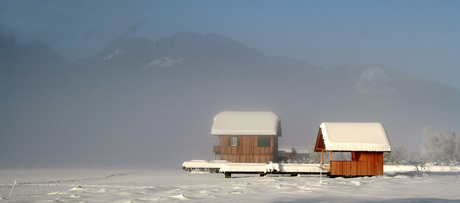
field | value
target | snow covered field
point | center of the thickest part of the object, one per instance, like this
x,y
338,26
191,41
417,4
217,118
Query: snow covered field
x,y
40,185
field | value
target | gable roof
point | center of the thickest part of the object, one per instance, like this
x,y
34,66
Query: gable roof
x,y
334,136
246,123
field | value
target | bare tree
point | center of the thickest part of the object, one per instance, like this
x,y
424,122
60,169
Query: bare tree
x,y
398,155
418,162
440,148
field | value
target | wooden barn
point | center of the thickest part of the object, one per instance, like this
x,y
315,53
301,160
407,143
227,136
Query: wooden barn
x,y
365,142
247,137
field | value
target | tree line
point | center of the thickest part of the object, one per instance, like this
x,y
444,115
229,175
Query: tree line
x,y
437,148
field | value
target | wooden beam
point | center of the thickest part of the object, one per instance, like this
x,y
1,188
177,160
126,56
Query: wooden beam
x,y
319,146
322,158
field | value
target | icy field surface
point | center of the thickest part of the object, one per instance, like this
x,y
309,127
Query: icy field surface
x,y
39,185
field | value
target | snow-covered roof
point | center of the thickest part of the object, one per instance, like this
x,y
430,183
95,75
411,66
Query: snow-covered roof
x,y
355,137
246,123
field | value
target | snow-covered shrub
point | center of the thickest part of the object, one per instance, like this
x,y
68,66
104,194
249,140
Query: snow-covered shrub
x,y
315,158
440,148
308,158
418,162
398,155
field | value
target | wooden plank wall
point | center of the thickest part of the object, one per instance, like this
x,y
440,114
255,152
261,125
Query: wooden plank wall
x,y
363,164
248,152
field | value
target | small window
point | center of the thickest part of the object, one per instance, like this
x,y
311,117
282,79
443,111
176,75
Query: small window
x,y
264,142
234,141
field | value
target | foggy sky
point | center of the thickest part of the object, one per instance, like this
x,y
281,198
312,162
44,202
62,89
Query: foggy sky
x,y
416,37
90,118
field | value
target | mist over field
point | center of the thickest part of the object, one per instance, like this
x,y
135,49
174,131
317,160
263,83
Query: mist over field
x,y
140,92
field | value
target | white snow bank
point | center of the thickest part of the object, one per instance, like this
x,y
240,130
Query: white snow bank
x,y
225,166
411,168
204,164
398,168
245,167
302,168
273,167
176,185
435,169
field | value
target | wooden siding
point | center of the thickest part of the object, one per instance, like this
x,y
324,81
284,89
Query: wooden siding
x,y
248,151
362,164
216,149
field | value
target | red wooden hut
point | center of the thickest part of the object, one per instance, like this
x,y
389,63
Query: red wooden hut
x,y
247,137
365,141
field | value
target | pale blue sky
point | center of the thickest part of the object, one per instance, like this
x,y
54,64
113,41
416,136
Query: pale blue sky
x,y
421,38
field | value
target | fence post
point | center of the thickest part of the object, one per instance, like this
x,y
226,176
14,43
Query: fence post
x,y
11,192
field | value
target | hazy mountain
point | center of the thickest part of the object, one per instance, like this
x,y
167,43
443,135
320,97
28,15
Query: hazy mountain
x,y
139,102
20,57
183,49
